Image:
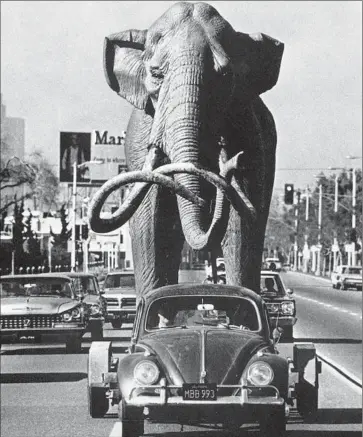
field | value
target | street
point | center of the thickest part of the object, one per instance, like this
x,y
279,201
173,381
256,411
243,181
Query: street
x,y
43,389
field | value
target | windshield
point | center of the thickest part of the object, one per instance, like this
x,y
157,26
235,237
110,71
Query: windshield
x,y
86,285
189,311
116,281
352,270
36,287
271,285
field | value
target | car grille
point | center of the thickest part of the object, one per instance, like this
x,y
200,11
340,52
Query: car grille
x,y
112,302
23,322
128,302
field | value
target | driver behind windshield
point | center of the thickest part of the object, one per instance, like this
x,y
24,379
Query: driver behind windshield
x,y
269,284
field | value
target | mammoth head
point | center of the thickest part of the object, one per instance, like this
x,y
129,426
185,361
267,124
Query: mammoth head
x,y
186,70
137,62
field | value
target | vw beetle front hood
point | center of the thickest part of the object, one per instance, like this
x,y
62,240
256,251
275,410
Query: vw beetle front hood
x,y
225,352
35,305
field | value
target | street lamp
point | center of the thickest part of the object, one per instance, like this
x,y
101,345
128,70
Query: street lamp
x,y
74,194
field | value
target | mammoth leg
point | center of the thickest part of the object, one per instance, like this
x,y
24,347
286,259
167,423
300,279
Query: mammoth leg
x,y
157,240
244,238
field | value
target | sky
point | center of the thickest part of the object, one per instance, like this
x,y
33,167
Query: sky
x,y
52,74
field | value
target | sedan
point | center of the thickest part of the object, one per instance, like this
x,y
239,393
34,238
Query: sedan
x,y
44,304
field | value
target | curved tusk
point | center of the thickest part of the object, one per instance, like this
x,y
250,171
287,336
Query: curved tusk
x,y
160,176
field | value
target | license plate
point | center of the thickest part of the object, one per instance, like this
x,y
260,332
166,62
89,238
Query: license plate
x,y
199,392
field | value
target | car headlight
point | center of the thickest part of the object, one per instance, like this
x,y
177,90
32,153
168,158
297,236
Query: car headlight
x,y
95,309
273,308
260,373
76,314
287,307
67,317
146,373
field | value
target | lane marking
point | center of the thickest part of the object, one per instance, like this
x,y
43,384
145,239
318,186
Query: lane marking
x,y
328,305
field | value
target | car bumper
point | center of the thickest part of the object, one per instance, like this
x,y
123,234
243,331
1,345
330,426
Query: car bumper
x,y
57,330
283,321
244,399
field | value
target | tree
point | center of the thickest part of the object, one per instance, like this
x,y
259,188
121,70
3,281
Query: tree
x,y
34,254
281,223
60,254
27,179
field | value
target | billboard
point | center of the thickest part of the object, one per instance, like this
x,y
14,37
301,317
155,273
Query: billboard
x,y
105,151
74,147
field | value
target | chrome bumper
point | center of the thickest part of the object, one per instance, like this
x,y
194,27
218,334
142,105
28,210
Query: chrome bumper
x,y
283,321
164,398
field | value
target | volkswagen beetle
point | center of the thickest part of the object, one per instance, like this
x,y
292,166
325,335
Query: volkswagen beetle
x,y
202,354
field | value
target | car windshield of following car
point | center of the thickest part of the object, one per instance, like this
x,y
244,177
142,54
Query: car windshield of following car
x,y
198,311
35,287
271,285
120,280
85,284
352,270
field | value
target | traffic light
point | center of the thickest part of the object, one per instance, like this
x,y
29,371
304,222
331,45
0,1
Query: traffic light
x,y
289,194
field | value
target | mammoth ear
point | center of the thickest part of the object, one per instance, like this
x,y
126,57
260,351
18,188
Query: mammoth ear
x,y
123,65
256,63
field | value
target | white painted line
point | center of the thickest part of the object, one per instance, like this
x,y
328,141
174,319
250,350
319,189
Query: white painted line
x,y
116,430
354,314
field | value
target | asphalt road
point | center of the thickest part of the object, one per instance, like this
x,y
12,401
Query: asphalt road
x,y
332,319
43,391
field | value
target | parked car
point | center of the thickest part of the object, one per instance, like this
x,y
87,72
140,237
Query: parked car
x,y
347,277
120,295
281,306
34,305
86,284
215,362
273,264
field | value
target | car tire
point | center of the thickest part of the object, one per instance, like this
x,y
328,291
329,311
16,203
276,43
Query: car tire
x,y
116,324
74,345
338,286
132,424
273,424
97,333
344,287
333,285
97,402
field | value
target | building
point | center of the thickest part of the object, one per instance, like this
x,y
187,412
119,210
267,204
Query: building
x,y
12,135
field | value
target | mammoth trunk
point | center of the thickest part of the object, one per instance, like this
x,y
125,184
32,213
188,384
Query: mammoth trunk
x,y
185,133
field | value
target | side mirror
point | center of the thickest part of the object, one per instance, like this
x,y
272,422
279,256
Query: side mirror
x,y
276,334
289,291
102,291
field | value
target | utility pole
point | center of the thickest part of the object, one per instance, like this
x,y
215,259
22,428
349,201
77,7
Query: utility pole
x,y
298,194
318,270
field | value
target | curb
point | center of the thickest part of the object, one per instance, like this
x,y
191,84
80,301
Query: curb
x,y
348,375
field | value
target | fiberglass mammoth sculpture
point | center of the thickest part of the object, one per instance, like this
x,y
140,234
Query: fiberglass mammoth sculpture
x,y
200,143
